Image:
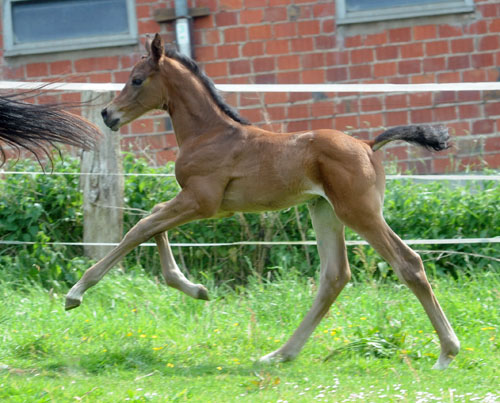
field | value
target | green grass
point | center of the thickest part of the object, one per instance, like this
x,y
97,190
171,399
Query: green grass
x,y
136,340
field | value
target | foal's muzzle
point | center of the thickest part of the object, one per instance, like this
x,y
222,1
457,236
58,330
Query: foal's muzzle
x,y
113,124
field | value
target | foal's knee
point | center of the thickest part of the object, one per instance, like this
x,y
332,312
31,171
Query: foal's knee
x,y
412,271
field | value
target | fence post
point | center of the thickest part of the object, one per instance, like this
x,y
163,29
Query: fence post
x,y
103,187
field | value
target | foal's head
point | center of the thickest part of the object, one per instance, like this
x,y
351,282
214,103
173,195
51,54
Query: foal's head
x,y
143,91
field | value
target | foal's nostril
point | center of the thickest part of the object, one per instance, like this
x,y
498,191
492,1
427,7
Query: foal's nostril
x,y
104,113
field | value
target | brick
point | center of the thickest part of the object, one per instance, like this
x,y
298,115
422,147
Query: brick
x,y
254,16
385,69
324,108
204,22
386,52
231,35
143,11
353,41
423,78
252,49
361,71
37,70
275,14
489,43
313,76
298,126
436,48
371,104
406,67
468,111
288,62
449,77
260,32
482,60
231,4
376,39
318,124
285,30
142,126
492,109
488,10
205,53
61,67
479,27
298,111
310,27
423,32
338,74
396,118
99,77
269,78
288,77
276,112
325,42
461,128
337,58
239,67
492,160
445,97
421,116
277,47
420,99
492,144
96,64
302,44
359,56
447,31
343,123
313,60
263,64
275,98
458,62
371,120
217,69
483,126
412,50
324,10
227,51
400,35
224,18
474,75
396,101
465,45
445,114
328,26
434,64
494,25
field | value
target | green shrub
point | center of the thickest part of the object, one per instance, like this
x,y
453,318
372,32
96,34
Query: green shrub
x,y
47,208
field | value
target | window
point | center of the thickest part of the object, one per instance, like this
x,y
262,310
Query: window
x,y
42,26
354,11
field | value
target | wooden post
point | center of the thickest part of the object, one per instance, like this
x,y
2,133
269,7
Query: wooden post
x,y
102,182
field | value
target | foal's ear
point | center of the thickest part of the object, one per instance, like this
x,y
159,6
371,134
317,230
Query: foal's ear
x,y
156,48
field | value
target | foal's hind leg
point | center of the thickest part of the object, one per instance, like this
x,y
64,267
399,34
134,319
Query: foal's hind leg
x,y
334,275
173,276
410,270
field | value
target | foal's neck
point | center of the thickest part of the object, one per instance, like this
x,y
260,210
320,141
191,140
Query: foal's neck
x,y
190,106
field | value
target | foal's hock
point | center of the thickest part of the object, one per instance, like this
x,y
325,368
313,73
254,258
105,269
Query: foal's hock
x,y
226,165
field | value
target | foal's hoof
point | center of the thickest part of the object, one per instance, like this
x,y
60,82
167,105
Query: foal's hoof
x,y
203,293
72,303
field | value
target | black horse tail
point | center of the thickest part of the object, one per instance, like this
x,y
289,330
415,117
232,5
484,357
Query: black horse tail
x,y
37,128
431,137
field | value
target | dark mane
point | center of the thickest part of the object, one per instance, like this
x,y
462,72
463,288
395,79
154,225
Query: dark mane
x,y
193,67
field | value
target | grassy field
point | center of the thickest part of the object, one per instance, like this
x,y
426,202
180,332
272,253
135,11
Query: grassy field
x,y
136,340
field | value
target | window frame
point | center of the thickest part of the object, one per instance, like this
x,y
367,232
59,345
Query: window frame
x,y
63,45
422,10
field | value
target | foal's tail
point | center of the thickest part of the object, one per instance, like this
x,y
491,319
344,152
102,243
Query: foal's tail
x,y
431,137
36,128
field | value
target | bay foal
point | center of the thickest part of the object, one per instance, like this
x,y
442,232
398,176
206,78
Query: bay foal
x,y
226,165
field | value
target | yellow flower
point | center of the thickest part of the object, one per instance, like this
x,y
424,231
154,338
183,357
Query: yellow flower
x,y
143,335
363,318
219,368
170,365
333,333
236,324
216,330
104,351
420,331
469,348
129,334
157,348
154,336
488,328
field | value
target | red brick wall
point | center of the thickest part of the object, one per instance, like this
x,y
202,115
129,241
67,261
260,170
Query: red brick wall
x,y
276,41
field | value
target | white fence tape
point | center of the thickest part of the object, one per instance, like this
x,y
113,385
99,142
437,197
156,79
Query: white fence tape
x,y
458,241
458,177
371,88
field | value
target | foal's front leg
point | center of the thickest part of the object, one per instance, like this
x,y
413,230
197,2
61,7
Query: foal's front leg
x,y
182,209
173,276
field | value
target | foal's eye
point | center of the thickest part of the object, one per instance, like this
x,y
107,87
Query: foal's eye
x,y
137,82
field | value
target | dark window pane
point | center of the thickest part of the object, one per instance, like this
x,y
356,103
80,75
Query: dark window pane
x,y
359,5
46,20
